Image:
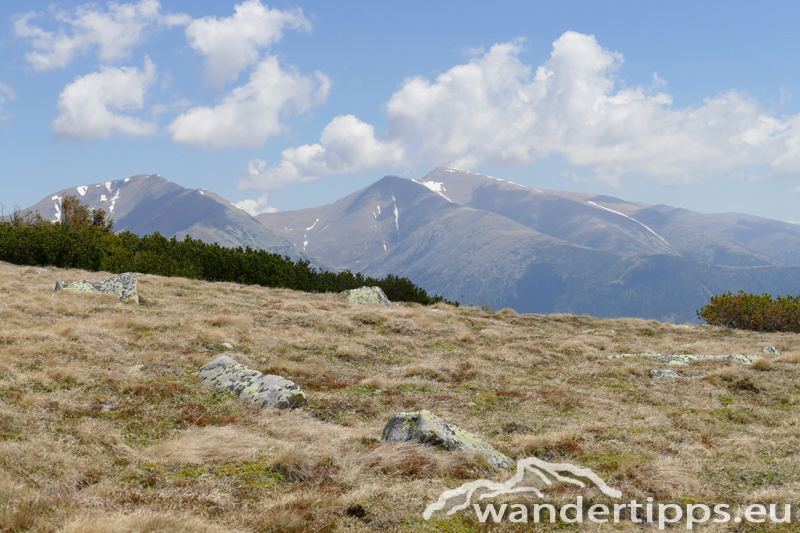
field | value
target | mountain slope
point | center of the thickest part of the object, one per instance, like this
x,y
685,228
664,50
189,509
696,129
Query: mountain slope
x,y
145,204
603,222
478,239
400,226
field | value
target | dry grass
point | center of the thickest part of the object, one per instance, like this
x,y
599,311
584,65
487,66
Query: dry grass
x,y
103,427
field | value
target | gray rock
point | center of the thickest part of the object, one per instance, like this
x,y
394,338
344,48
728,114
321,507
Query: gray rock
x,y
427,428
684,360
251,385
364,295
123,286
658,373
227,345
772,350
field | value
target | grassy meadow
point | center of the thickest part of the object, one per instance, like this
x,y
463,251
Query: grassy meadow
x,y
104,428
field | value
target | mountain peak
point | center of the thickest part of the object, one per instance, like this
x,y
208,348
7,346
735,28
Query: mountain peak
x,y
148,203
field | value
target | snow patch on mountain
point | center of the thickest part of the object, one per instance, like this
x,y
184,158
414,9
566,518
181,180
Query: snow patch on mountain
x,y
396,214
113,202
631,218
435,186
57,203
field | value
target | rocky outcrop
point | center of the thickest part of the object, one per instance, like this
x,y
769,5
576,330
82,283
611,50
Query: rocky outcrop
x,y
251,385
684,360
364,295
122,286
771,350
427,428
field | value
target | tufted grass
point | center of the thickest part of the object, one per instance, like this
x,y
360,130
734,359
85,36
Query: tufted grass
x,y
103,428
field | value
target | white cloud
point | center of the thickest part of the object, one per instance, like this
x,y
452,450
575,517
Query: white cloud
x,y
346,145
232,44
252,113
6,94
496,110
114,32
87,105
256,207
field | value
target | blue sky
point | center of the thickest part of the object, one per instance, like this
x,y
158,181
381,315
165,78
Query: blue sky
x,y
291,105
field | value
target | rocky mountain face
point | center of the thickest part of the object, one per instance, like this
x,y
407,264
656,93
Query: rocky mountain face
x,y
479,239
146,204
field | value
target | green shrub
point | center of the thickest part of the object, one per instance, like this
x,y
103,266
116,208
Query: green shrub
x,y
755,312
86,240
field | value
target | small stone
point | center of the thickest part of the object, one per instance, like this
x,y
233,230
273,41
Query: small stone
x,y
662,374
772,350
364,295
136,368
227,345
251,385
427,428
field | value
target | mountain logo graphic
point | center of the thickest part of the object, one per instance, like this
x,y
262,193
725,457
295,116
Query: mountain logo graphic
x,y
532,473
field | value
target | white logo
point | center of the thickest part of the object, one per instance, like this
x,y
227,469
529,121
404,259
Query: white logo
x,y
531,472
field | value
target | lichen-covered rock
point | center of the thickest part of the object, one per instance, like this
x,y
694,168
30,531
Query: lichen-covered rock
x,y
684,360
771,350
251,385
364,295
122,286
427,428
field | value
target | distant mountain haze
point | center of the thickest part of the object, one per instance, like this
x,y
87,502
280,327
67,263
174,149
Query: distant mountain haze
x,y
483,240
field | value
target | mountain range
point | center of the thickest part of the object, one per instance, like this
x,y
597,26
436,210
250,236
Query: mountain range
x,y
482,240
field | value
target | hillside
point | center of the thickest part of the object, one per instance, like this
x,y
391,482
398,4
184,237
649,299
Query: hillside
x,y
104,428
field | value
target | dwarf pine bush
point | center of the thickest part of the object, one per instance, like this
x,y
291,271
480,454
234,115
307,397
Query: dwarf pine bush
x,y
752,311
85,239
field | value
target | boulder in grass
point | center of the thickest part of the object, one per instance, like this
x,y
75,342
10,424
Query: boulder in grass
x,y
665,374
364,295
427,428
251,385
771,350
122,286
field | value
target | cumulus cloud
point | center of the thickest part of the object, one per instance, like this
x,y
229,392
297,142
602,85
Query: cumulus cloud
x,y
88,107
252,113
346,145
232,44
113,32
497,110
256,207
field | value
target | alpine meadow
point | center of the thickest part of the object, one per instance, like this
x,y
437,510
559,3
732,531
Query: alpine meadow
x,y
424,267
